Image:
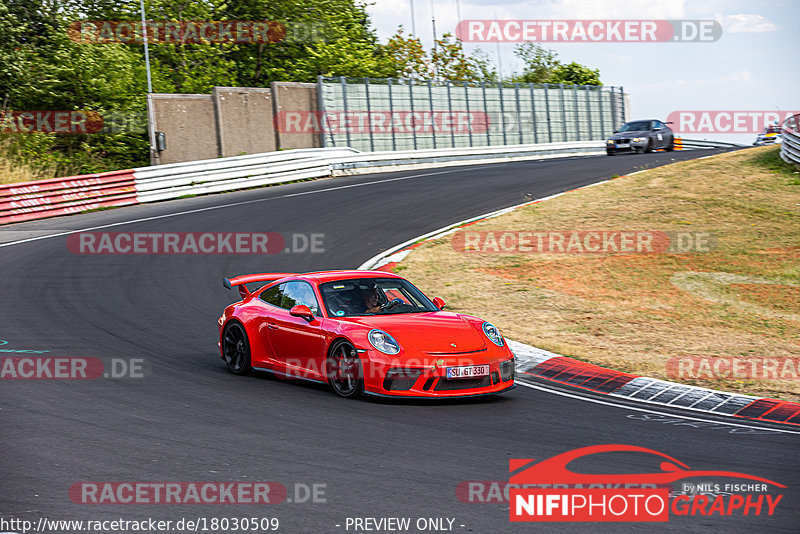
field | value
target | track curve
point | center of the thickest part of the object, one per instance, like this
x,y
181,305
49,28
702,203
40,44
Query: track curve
x,y
188,419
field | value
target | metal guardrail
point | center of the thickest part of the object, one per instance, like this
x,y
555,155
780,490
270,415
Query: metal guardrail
x,y
367,162
790,143
26,201
701,143
48,198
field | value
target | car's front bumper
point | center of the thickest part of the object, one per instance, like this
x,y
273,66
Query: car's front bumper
x,y
627,146
399,378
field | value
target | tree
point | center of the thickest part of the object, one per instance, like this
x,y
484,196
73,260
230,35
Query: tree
x,y
539,62
407,56
543,66
576,74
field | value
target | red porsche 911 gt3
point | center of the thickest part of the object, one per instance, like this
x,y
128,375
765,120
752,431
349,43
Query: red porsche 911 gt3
x,y
368,332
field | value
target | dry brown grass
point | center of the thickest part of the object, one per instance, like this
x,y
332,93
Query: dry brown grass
x,y
624,311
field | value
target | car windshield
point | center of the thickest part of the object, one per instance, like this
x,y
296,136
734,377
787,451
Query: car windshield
x,y
635,126
373,296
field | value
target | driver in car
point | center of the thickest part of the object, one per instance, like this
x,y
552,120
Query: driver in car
x,y
371,301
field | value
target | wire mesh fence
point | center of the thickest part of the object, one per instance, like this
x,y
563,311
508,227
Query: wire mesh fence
x,y
401,114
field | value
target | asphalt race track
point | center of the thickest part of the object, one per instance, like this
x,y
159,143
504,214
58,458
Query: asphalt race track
x,y
188,419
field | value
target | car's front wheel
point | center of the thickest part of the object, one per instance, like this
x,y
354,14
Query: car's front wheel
x,y
344,370
236,348
649,147
610,152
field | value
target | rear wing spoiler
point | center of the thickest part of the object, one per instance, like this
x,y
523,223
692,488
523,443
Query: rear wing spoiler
x,y
240,281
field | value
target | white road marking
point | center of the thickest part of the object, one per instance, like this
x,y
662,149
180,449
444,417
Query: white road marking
x,y
209,208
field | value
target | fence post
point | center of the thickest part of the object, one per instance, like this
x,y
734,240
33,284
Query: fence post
x,y
602,111
519,113
575,111
547,108
450,108
433,125
369,115
391,115
344,98
320,110
613,109
486,111
533,115
589,113
502,110
563,110
411,101
469,113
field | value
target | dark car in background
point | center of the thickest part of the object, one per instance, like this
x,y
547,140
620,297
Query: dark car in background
x,y
641,136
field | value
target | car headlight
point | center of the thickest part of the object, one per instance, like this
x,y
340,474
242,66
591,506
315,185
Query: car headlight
x,y
493,334
610,141
383,342
637,139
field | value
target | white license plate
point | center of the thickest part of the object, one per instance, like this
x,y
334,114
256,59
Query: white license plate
x,y
470,371
623,145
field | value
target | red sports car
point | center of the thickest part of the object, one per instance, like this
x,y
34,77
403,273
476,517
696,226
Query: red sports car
x,y
361,332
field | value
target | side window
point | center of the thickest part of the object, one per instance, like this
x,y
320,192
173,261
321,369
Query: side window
x,y
660,124
296,292
273,295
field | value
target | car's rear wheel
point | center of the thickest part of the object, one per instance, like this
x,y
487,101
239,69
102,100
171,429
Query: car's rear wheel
x,y
671,145
344,370
236,348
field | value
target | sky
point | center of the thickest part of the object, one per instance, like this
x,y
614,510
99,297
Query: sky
x,y
749,68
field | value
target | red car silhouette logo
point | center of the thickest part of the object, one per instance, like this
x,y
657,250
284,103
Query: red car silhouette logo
x,y
554,470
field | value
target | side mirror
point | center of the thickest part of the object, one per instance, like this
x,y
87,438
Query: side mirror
x,y
616,131
301,310
438,302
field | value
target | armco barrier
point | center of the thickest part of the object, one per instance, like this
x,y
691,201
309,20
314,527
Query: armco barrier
x,y
790,143
62,196
48,198
370,162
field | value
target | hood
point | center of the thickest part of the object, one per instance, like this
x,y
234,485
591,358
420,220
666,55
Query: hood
x,y
636,133
428,332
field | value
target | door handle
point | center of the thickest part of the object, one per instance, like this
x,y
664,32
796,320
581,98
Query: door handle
x,y
272,326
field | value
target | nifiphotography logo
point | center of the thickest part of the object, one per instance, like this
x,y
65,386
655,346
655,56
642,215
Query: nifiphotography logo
x,y
549,491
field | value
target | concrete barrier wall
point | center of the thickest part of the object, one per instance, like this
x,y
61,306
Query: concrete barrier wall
x,y
243,120
291,96
189,125
231,121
